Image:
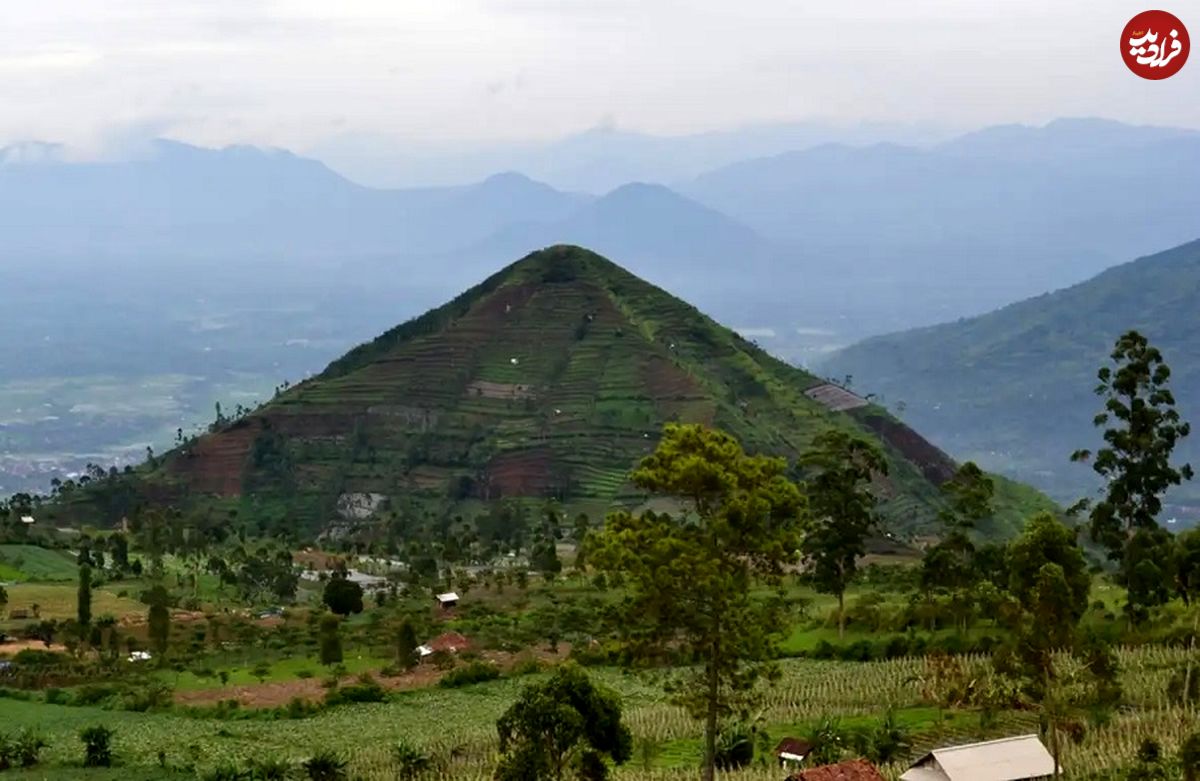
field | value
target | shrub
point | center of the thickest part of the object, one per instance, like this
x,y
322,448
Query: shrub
x,y
37,658
858,651
56,696
526,666
8,752
896,647
591,655
475,672
411,762
735,747
299,708
368,691
152,696
269,770
21,750
325,765
97,746
443,660
28,746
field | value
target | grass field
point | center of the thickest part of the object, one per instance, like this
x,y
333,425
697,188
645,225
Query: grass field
x,y
30,562
58,600
461,723
288,669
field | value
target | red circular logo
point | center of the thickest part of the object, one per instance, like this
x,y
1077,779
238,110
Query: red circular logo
x,y
1155,44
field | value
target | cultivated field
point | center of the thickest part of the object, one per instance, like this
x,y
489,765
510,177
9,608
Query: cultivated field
x,y
458,726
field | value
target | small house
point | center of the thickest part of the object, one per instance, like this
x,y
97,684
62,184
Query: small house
x,y
792,751
853,770
1019,758
448,601
28,520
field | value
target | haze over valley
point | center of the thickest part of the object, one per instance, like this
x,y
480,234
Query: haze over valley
x,y
222,273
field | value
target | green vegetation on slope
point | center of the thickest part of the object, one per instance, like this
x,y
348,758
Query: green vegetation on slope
x,y
550,379
31,562
1012,389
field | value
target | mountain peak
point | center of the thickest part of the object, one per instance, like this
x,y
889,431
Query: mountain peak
x,y
550,379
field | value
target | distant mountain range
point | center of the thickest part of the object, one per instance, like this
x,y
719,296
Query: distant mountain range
x,y
1013,389
550,379
974,223
597,160
880,237
235,268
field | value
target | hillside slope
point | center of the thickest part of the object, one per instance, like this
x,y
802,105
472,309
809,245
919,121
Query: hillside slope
x,y
1013,389
551,378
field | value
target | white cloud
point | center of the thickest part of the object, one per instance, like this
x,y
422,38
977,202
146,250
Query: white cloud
x,y
290,72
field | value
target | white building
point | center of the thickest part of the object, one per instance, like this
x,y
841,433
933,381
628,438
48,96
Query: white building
x,y
1008,759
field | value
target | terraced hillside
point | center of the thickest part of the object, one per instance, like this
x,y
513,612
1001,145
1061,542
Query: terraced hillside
x,y
549,379
1013,389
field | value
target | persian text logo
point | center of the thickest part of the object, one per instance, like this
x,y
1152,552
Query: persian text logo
x,y
1155,44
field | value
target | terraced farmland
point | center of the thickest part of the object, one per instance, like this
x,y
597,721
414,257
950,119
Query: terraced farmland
x,y
550,379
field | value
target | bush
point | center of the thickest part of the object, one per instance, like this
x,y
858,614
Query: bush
x,y
37,658
97,746
363,691
20,750
526,666
152,696
591,655
299,708
325,765
411,762
28,748
475,672
735,747
93,694
269,770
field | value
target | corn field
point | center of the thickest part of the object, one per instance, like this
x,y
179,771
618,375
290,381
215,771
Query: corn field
x,y
456,727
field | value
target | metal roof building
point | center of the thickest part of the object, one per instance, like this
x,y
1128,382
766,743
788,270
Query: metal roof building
x,y
1008,759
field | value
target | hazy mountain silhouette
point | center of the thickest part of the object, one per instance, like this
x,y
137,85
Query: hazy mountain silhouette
x,y
190,201
976,222
596,160
1013,388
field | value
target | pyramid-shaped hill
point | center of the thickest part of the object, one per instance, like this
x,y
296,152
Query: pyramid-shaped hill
x,y
551,378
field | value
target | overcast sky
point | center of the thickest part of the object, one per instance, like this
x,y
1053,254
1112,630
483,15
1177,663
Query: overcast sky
x,y
293,72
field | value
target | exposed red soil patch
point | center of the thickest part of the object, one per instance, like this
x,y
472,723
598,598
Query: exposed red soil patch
x,y
935,465
664,380
312,424
215,463
15,647
499,390
519,473
451,642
